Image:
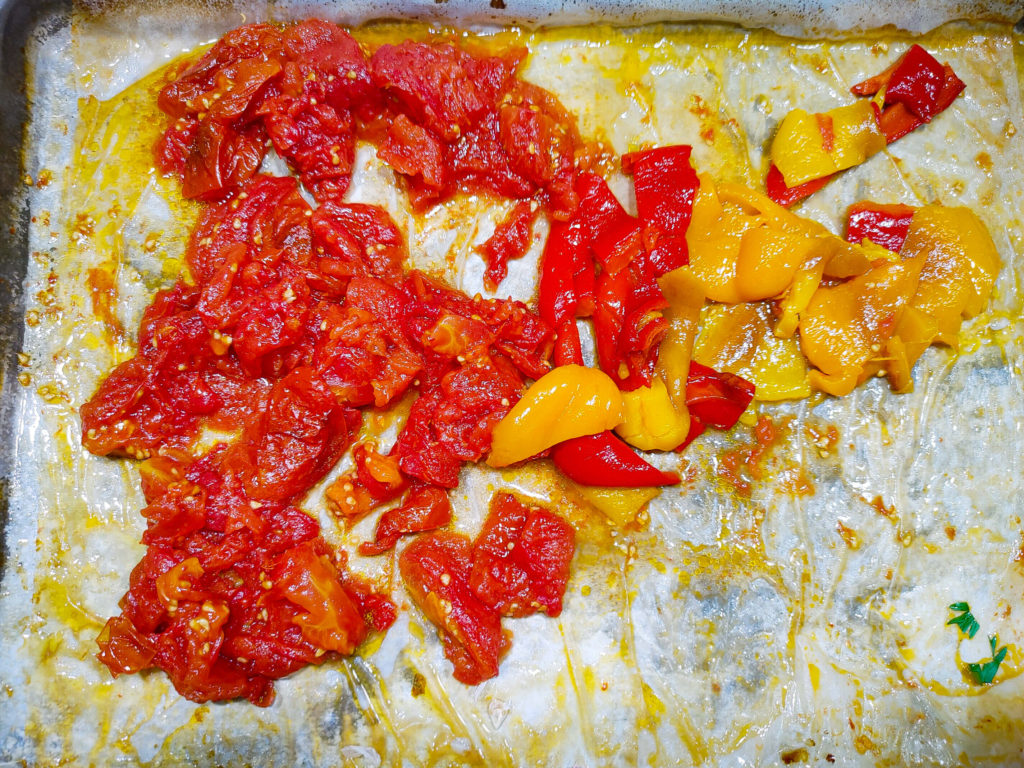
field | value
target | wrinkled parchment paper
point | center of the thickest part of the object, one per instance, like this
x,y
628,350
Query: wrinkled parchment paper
x,y
786,625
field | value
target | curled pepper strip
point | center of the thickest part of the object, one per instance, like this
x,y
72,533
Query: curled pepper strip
x,y
915,89
604,460
559,300
715,398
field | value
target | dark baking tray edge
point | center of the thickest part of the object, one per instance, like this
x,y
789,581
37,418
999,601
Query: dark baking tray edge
x,y
20,22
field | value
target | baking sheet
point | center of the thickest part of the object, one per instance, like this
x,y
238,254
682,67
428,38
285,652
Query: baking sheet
x,y
730,631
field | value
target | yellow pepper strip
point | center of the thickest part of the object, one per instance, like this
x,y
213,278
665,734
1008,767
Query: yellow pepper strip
x,y
914,334
768,260
685,296
746,247
842,259
650,420
738,338
620,505
568,401
805,284
713,240
845,326
801,151
961,265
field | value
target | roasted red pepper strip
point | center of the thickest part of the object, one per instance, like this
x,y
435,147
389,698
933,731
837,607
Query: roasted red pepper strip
x,y
716,398
896,120
884,225
776,189
604,460
916,83
916,89
565,254
615,237
665,184
628,324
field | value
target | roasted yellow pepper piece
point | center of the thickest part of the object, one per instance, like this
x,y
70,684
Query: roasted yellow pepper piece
x,y
620,505
960,267
745,247
649,419
845,326
685,296
568,401
738,338
810,146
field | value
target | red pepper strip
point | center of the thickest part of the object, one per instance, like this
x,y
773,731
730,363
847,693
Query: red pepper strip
x,y
916,83
884,225
776,189
896,120
665,184
697,428
717,398
914,92
615,236
511,240
605,460
558,300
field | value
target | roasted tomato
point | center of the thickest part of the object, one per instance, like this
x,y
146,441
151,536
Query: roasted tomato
x,y
521,558
435,569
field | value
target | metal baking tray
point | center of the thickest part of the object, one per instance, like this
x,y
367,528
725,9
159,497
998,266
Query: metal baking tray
x,y
25,26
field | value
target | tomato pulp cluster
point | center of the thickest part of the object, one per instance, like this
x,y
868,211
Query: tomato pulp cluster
x,y
296,317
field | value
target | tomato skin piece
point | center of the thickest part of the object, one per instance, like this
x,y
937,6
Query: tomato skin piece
x,y
364,235
431,85
317,140
271,321
471,631
330,619
540,137
521,559
511,240
271,216
123,648
413,151
323,49
300,437
424,509
182,96
221,159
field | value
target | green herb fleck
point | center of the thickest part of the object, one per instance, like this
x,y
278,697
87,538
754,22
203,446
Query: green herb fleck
x,y
985,673
965,621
